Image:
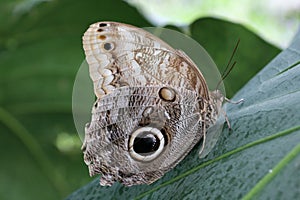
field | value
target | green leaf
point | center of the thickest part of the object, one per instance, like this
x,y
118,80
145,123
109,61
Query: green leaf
x,y
258,159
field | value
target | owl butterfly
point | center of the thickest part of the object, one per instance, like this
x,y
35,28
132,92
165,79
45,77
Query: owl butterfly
x,y
153,105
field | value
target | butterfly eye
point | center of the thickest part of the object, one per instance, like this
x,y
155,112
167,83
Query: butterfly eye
x,y
167,94
146,144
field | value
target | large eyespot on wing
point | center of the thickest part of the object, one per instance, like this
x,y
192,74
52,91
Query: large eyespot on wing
x,y
120,55
146,143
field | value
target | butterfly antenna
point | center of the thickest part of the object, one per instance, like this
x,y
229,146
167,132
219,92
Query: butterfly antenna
x,y
229,67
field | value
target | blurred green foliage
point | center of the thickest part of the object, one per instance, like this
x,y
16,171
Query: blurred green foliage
x,y
40,53
274,20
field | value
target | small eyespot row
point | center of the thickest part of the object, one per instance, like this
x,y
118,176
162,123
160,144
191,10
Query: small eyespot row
x,y
102,24
108,46
102,37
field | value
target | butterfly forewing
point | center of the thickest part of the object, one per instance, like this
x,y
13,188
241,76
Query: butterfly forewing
x,y
136,57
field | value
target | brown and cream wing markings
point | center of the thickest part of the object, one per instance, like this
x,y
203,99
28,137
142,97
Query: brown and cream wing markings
x,y
122,55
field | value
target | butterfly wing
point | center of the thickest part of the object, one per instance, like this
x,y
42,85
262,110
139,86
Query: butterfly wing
x,y
120,55
147,91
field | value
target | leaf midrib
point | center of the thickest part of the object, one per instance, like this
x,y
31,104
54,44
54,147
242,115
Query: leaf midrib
x,y
232,152
270,176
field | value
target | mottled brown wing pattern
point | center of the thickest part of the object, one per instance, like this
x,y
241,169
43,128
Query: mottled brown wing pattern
x,y
118,114
120,55
152,105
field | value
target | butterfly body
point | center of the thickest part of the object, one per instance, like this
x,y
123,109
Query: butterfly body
x,y
153,105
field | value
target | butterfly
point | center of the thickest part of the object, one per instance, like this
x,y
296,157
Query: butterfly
x,y
153,105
